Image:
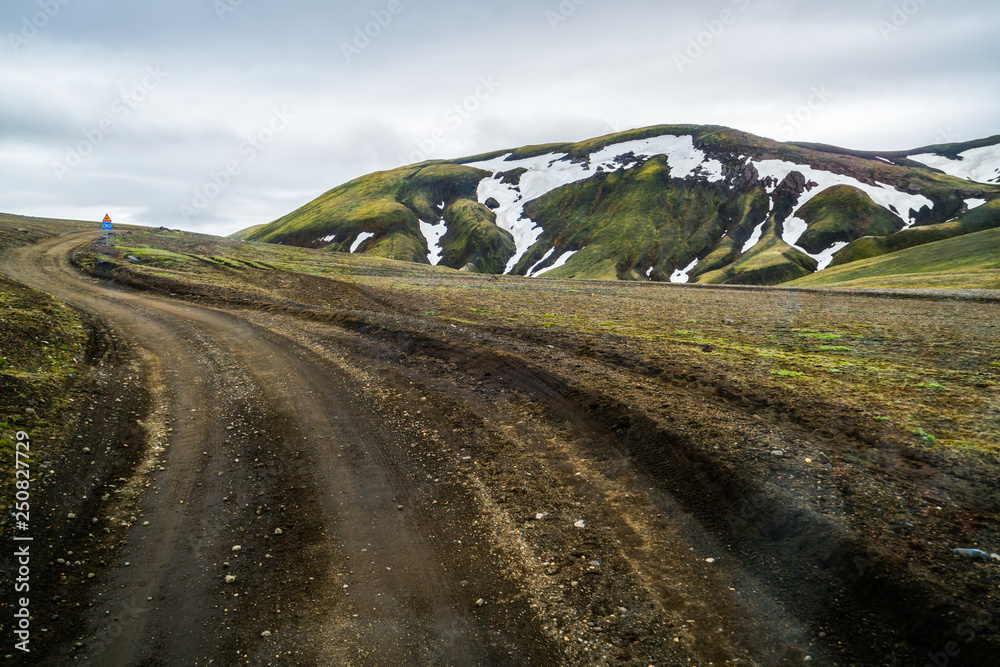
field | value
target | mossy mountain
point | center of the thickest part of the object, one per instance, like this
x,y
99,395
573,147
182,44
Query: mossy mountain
x,y
668,203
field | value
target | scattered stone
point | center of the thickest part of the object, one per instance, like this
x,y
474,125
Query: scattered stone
x,y
976,553
710,561
277,531
145,523
237,548
480,602
266,633
230,579
778,454
86,450
580,524
399,507
70,516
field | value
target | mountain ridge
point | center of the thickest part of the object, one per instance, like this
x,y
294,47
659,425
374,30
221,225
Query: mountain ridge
x,y
669,203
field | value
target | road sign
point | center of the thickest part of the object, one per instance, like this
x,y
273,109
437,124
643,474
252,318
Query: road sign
x,y
106,226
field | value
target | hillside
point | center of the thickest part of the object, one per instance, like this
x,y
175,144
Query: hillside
x,y
969,261
699,204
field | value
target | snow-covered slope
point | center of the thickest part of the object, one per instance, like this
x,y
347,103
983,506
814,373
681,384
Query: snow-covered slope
x,y
981,165
551,171
548,172
902,204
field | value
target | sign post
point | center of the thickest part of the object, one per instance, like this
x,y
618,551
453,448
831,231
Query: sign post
x,y
106,226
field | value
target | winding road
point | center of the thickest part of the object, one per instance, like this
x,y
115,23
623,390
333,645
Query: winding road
x,y
269,449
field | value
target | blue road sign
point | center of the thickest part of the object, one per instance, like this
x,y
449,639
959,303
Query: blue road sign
x,y
106,226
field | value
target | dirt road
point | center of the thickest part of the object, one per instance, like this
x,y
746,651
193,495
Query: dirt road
x,y
251,420
368,489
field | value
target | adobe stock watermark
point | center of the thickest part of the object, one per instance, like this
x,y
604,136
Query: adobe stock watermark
x,y
453,118
966,632
121,110
817,99
248,151
365,34
32,25
901,15
566,9
702,41
947,135
616,125
224,7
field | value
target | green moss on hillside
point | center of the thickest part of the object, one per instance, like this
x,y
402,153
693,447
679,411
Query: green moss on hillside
x,y
244,233
978,219
387,204
967,261
637,219
842,214
770,262
474,241
748,211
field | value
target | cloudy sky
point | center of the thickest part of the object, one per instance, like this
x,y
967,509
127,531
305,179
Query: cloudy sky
x,y
213,115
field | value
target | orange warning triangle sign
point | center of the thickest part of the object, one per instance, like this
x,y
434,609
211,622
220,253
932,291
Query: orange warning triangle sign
x,y
107,218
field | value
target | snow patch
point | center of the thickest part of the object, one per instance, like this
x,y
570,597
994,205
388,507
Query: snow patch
x,y
540,262
825,258
795,228
974,203
981,165
758,233
559,262
681,275
546,173
884,195
433,235
886,161
327,239
362,237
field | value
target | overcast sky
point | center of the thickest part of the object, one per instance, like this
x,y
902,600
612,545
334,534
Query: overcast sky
x,y
214,115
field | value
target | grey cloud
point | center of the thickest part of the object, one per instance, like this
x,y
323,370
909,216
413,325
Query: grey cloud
x,y
567,70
